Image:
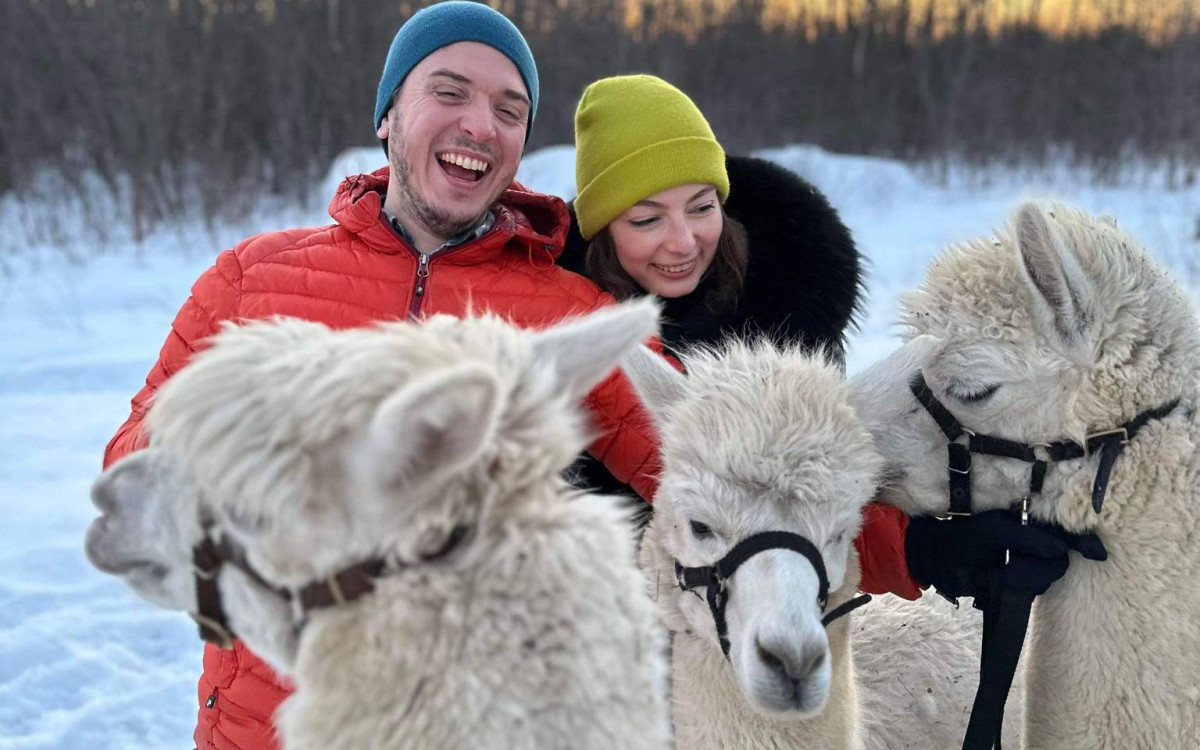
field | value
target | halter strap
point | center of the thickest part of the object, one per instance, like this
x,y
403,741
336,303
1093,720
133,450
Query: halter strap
x,y
714,578
1109,443
345,586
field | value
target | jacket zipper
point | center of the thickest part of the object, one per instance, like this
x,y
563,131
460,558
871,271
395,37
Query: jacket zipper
x,y
424,260
419,287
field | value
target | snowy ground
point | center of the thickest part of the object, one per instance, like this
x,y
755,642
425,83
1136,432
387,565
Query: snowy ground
x,y
84,663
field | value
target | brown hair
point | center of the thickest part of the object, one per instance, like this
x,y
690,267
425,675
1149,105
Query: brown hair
x,y
727,272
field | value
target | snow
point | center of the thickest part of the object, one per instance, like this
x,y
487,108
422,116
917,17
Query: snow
x,y
84,662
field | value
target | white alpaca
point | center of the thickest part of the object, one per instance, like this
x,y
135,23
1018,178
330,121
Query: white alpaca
x,y
1059,328
917,665
511,611
757,440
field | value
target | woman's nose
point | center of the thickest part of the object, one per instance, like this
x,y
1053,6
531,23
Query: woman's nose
x,y
680,239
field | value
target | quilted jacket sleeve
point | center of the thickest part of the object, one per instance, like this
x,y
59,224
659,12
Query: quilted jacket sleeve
x,y
214,299
628,442
880,547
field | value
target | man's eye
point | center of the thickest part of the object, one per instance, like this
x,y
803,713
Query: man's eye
x,y
699,530
449,95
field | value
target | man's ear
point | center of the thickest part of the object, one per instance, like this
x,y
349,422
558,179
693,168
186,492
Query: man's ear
x,y
434,427
585,350
147,504
1063,295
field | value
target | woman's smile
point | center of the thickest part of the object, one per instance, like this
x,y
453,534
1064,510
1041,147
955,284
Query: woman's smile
x,y
676,271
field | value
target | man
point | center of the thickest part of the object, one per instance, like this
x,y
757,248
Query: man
x,y
443,229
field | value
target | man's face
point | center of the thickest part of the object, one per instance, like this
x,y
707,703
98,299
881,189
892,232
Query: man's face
x,y
455,135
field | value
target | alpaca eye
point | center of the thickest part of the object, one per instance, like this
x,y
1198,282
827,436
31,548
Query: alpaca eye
x,y
974,396
699,530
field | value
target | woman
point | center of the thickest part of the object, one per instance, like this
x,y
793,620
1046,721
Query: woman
x,y
742,246
655,214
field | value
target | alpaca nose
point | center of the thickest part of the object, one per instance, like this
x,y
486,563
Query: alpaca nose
x,y
793,662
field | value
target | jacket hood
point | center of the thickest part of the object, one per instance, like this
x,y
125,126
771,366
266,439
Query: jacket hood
x,y
542,221
805,277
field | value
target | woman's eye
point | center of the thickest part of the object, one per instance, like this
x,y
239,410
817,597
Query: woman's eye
x,y
699,530
643,222
704,209
974,396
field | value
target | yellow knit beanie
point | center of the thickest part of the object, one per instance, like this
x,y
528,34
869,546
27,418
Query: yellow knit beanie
x,y
636,136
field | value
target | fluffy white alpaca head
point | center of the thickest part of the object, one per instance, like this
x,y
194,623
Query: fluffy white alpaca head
x,y
1060,326
755,439
314,449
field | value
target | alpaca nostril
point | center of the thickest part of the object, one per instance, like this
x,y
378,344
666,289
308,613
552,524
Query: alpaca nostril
x,y
773,662
787,662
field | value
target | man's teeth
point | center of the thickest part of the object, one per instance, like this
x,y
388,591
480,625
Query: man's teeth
x,y
466,162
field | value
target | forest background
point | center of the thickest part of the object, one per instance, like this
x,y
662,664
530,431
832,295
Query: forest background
x,y
182,106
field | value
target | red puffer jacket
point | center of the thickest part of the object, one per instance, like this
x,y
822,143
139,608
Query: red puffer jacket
x,y
358,271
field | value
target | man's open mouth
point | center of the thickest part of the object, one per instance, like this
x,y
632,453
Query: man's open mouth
x,y
463,166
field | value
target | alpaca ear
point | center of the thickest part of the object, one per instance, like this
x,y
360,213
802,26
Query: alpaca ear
x,y
1063,295
148,516
658,384
583,351
435,427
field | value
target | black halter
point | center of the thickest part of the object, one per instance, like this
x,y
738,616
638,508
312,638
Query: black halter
x,y
715,578
1110,443
345,586
1006,611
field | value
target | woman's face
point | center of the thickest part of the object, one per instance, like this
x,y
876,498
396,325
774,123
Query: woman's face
x,y
667,241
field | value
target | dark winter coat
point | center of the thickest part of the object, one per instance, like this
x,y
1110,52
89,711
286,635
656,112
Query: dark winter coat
x,y
803,285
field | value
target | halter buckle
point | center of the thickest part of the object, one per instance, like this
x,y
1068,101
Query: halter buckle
x,y
206,574
335,590
1122,431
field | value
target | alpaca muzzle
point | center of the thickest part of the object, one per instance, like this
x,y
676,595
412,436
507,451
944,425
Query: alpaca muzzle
x,y
715,578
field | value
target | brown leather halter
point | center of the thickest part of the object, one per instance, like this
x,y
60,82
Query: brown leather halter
x,y
346,585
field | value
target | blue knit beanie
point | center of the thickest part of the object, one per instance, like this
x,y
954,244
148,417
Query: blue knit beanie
x,y
443,24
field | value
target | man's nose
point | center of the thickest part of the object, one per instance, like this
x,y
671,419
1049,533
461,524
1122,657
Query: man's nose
x,y
479,121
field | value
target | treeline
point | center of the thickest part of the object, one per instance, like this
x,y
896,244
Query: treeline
x,y
218,100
